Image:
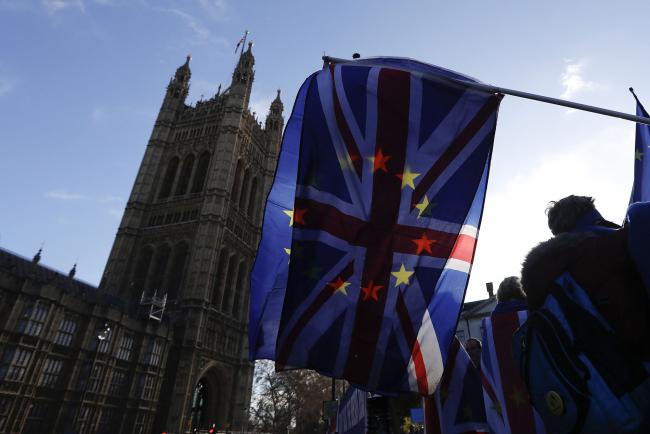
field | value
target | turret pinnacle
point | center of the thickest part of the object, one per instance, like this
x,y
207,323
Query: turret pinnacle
x,y
183,73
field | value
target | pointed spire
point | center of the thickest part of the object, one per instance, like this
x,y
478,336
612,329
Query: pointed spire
x,y
72,271
276,106
183,72
37,257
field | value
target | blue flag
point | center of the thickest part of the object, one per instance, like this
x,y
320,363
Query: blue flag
x,y
641,187
389,161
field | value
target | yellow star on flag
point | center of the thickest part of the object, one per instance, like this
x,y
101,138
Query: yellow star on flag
x,y
290,214
339,285
422,206
402,276
638,155
288,252
408,177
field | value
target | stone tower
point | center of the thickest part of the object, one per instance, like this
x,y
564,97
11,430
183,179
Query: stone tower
x,y
190,230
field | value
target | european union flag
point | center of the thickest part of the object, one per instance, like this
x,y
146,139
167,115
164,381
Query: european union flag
x,y
641,186
387,161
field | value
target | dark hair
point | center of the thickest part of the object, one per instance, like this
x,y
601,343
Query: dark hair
x,y
510,289
563,214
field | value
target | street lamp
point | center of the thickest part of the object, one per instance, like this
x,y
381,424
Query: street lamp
x,y
102,335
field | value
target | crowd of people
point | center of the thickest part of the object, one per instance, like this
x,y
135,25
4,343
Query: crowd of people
x,y
576,325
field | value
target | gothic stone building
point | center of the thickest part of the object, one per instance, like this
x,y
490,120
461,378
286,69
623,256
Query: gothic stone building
x,y
189,233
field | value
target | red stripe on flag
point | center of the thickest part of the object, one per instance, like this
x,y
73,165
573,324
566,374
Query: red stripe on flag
x,y
320,216
464,248
412,339
393,97
458,144
431,416
350,143
515,394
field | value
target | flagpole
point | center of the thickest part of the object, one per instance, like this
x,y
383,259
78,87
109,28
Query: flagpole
x,y
527,95
241,53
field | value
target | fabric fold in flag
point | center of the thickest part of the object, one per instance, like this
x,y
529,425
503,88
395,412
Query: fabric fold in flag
x,y
507,404
457,406
390,161
641,186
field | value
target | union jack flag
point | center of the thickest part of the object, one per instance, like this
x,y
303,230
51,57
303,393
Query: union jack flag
x,y
507,404
392,166
457,407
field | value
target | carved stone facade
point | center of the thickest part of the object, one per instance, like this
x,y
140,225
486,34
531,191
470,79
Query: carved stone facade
x,y
51,358
190,230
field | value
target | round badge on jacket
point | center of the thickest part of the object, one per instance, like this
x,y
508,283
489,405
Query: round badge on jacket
x,y
555,403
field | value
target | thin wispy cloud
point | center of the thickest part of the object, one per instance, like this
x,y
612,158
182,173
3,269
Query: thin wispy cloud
x,y
192,23
216,9
573,80
202,34
54,6
65,195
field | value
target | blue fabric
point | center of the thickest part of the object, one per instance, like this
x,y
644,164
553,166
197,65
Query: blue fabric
x,y
269,275
638,223
376,276
641,187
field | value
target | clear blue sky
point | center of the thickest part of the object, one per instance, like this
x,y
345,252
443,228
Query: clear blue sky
x,y
81,82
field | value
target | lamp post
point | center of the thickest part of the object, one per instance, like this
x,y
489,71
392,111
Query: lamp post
x,y
102,335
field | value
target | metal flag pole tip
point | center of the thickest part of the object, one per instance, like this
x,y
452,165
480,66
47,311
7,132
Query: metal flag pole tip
x,y
520,94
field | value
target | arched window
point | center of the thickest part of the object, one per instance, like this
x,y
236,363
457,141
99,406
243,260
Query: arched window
x,y
176,271
228,290
236,182
158,271
201,171
252,198
168,180
244,189
186,173
141,270
239,289
220,277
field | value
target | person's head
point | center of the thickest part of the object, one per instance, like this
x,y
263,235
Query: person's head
x,y
473,348
566,214
510,289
